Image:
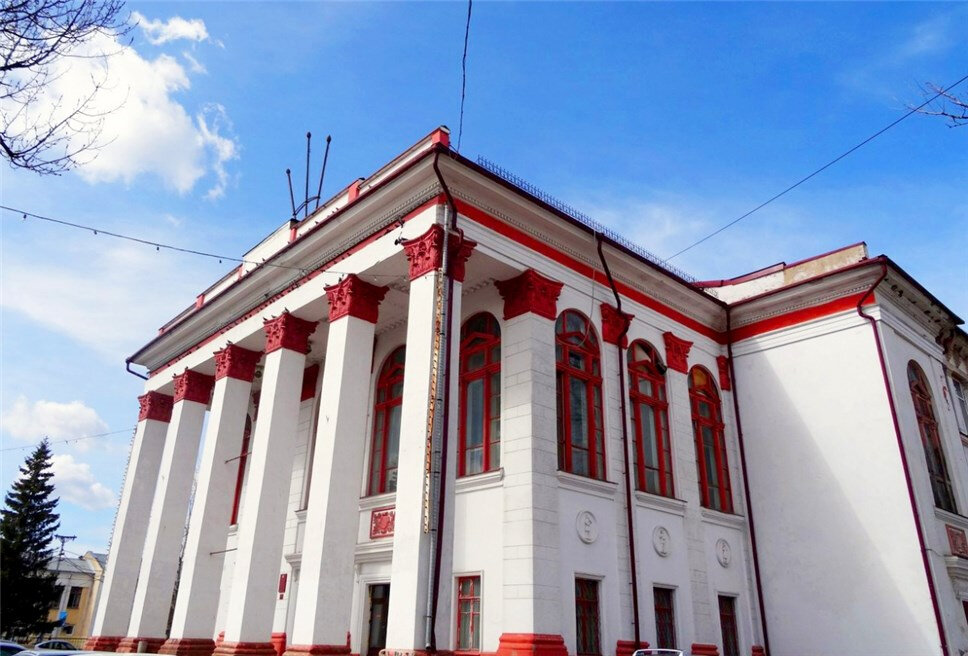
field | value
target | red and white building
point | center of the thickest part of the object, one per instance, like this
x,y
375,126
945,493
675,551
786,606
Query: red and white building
x,y
536,440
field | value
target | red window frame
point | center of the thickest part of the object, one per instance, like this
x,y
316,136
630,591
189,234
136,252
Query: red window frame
x,y
665,618
647,387
469,612
703,392
588,635
481,338
944,497
727,622
240,477
575,341
390,378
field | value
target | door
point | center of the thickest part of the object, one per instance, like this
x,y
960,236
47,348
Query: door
x,y
379,607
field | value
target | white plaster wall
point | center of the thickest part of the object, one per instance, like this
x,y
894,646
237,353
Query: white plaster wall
x,y
838,552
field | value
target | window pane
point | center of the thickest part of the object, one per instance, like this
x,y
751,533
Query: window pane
x,y
578,407
474,414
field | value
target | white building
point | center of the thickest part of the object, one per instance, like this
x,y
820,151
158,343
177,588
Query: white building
x,y
402,437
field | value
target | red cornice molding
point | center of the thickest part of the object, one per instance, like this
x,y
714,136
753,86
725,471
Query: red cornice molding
x,y
530,292
157,406
724,381
193,386
615,324
425,253
843,304
289,332
354,297
677,352
236,362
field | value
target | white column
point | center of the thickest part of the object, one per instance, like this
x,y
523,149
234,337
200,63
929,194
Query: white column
x,y
169,510
532,595
193,624
248,626
322,614
131,524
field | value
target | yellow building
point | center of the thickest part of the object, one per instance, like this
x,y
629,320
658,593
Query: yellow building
x,y
79,581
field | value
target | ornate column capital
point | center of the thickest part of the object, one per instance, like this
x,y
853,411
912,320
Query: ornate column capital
x,y
236,362
677,352
288,331
530,292
615,323
425,253
725,383
155,405
354,297
193,386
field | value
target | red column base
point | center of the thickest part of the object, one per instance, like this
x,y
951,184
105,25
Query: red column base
x,y
102,643
188,647
130,645
627,647
279,641
759,650
700,649
531,644
317,650
245,649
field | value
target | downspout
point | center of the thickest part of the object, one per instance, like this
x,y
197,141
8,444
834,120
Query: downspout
x,y
904,463
625,443
436,548
746,481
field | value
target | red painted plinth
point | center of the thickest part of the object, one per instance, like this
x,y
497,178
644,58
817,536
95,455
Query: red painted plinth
x,y
317,650
759,650
700,649
188,647
103,643
531,644
245,649
279,641
626,647
130,645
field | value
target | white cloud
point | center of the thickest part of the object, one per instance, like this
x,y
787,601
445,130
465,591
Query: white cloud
x,y
31,421
75,483
158,31
193,64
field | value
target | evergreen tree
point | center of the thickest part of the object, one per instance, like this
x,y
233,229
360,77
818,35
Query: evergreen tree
x,y
28,590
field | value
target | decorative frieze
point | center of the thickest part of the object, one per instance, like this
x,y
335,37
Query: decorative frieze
x,y
288,331
725,382
193,386
355,297
236,362
615,324
530,292
677,352
155,405
425,253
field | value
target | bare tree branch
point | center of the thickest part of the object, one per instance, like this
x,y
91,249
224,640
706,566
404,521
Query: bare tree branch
x,y
946,105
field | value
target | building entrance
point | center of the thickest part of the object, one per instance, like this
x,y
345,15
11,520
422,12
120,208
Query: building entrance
x,y
379,611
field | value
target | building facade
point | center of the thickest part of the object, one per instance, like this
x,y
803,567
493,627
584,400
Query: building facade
x,y
445,414
79,580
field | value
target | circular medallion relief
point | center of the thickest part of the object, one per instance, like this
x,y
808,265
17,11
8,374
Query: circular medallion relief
x,y
587,527
661,541
724,554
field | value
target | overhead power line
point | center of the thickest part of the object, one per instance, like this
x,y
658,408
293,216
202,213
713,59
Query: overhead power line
x,y
70,439
821,169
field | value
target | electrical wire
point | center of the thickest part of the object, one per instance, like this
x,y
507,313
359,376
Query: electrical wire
x,y
70,439
463,74
820,170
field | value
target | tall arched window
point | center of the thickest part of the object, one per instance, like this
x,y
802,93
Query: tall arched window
x,y
652,453
707,424
581,438
480,395
386,424
930,440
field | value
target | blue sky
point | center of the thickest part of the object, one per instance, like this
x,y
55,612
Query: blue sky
x,y
663,121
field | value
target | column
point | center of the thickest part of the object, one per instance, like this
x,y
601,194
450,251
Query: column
x,y
532,595
248,626
322,615
131,524
169,510
412,540
193,624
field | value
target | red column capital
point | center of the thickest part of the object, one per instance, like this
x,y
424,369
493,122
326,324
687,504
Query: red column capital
x,y
193,386
425,253
288,331
615,324
236,362
157,406
530,292
355,297
677,352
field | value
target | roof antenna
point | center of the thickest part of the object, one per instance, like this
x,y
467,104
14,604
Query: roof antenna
x,y
309,138
307,199
322,172
292,201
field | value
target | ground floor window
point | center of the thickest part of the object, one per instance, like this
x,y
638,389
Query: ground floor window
x,y
469,613
665,618
727,620
586,617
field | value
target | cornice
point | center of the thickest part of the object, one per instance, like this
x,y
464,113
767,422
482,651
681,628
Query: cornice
x,y
475,482
585,485
728,520
660,503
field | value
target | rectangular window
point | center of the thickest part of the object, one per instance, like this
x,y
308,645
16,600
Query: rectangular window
x,y
57,601
727,620
74,599
586,617
665,618
962,404
469,613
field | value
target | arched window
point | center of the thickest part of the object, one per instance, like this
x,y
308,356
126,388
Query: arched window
x,y
652,453
707,424
581,438
386,424
930,440
480,395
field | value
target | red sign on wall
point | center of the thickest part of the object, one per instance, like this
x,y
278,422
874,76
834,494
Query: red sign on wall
x,y
382,521
957,541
